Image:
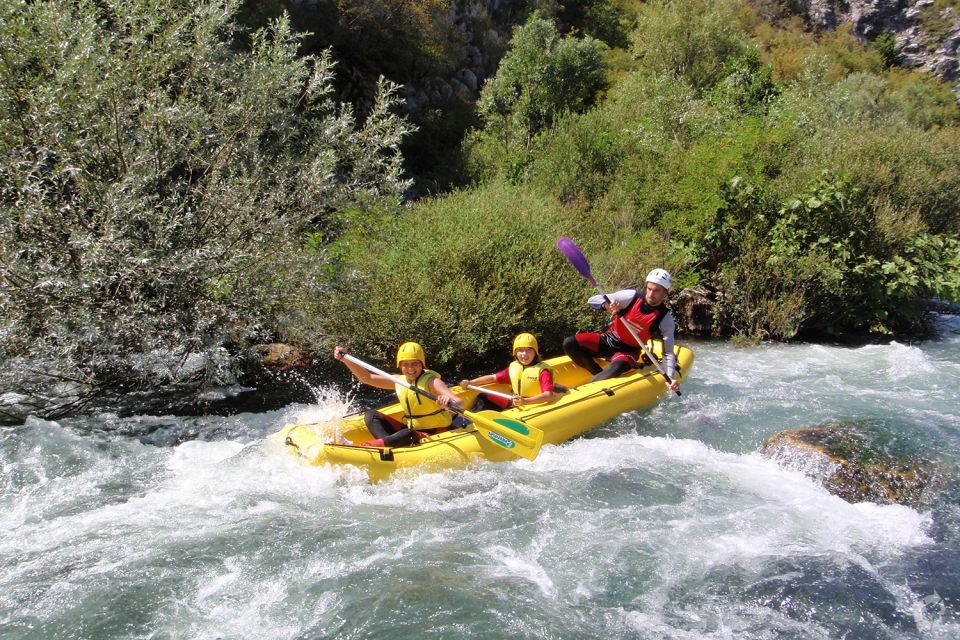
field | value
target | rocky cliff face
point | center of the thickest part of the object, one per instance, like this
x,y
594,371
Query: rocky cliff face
x,y
927,31
927,35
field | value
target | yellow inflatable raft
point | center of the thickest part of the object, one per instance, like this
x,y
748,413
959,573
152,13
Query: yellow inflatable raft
x,y
585,406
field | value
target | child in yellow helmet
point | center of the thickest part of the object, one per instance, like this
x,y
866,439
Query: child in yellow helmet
x,y
531,380
422,416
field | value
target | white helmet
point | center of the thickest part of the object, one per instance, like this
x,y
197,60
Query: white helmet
x,y
660,277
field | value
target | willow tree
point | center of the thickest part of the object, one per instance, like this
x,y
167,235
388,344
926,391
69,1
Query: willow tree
x,y
160,173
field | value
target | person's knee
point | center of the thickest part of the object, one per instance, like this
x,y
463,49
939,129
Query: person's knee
x,y
371,416
570,345
619,367
403,438
616,368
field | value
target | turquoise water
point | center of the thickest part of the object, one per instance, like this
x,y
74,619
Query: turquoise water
x,y
664,523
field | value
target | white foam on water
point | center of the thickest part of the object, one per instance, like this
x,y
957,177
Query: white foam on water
x,y
236,604
256,544
194,483
510,563
325,416
224,392
741,506
194,496
722,622
905,361
699,512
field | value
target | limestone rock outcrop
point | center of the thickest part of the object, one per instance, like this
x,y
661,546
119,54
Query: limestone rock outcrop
x,y
927,37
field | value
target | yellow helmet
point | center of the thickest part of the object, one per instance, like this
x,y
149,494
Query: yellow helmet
x,y
411,351
526,340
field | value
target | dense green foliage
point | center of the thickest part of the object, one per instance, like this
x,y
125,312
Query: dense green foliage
x,y
806,201
462,274
170,181
157,179
690,39
542,77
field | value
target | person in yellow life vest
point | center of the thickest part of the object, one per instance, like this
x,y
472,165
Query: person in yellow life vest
x,y
422,416
531,380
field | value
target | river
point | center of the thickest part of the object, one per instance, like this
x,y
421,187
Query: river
x,y
664,523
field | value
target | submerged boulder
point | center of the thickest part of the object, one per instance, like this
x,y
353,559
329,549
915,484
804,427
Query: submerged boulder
x,y
841,459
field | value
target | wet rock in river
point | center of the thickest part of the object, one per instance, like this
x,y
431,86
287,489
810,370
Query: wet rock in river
x,y
844,462
282,356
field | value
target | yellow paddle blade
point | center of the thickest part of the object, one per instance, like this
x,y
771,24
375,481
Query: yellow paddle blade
x,y
523,440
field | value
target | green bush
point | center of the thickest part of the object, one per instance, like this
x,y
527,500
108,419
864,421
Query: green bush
x,y
886,46
157,179
747,84
462,275
542,76
698,184
855,128
824,266
693,39
606,20
924,101
578,162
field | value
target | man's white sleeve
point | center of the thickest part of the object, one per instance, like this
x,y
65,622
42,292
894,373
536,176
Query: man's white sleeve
x,y
624,296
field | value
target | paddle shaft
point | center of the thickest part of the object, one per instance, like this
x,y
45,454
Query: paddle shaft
x,y
490,391
633,333
401,381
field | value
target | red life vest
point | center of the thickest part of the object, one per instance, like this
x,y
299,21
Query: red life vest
x,y
644,319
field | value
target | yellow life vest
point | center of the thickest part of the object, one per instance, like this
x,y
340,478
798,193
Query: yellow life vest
x,y
525,381
420,412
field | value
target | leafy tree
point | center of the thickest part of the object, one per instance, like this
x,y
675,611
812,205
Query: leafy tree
x,y
606,20
542,76
397,37
157,179
692,38
747,83
886,45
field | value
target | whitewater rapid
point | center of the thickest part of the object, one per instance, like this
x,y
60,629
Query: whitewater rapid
x,y
664,523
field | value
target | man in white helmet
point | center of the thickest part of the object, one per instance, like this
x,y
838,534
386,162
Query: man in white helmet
x,y
647,315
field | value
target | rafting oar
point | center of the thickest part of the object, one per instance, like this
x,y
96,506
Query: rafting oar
x,y
572,252
510,434
505,396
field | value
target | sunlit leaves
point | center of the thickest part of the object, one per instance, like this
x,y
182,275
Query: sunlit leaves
x,y
543,76
158,174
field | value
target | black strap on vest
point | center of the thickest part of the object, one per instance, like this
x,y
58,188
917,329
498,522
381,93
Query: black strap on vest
x,y
410,415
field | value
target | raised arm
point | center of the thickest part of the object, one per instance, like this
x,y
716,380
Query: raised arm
x,y
620,298
361,374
